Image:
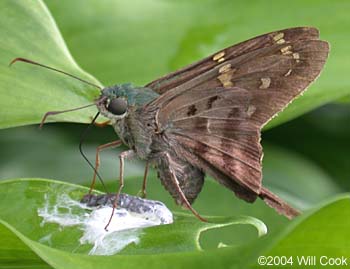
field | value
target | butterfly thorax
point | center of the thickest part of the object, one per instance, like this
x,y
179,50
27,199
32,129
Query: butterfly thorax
x,y
134,133
122,130
124,105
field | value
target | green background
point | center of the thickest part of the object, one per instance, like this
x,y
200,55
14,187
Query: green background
x,y
107,42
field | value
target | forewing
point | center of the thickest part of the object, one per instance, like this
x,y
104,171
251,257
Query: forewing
x,y
216,107
186,74
275,75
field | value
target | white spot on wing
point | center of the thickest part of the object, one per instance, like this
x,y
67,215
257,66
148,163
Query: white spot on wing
x,y
251,110
288,73
225,79
296,56
286,50
221,60
265,83
225,68
278,38
218,56
208,126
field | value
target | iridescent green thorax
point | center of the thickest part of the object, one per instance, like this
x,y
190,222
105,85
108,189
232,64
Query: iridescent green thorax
x,y
135,95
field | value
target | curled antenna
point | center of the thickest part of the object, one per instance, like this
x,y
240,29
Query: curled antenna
x,y
53,69
82,138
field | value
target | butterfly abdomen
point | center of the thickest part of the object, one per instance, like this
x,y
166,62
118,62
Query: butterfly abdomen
x,y
190,178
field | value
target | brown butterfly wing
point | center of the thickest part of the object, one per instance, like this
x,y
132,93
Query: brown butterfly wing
x,y
217,129
183,75
215,108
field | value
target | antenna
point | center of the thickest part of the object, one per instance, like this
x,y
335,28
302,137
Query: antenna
x,y
59,112
59,71
53,69
83,135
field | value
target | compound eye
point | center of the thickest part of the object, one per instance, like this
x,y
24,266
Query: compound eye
x,y
117,106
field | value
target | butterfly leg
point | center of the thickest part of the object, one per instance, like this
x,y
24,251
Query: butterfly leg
x,y
113,144
142,193
186,203
129,154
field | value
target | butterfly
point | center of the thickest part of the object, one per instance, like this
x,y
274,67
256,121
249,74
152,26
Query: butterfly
x,y
206,118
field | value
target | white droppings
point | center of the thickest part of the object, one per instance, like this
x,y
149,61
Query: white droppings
x,y
124,229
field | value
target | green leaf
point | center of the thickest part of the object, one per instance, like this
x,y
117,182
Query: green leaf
x,y
329,228
311,234
322,232
133,43
28,30
14,253
295,178
26,196
321,136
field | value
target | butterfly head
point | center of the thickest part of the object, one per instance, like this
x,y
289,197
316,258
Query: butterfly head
x,y
113,102
116,101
